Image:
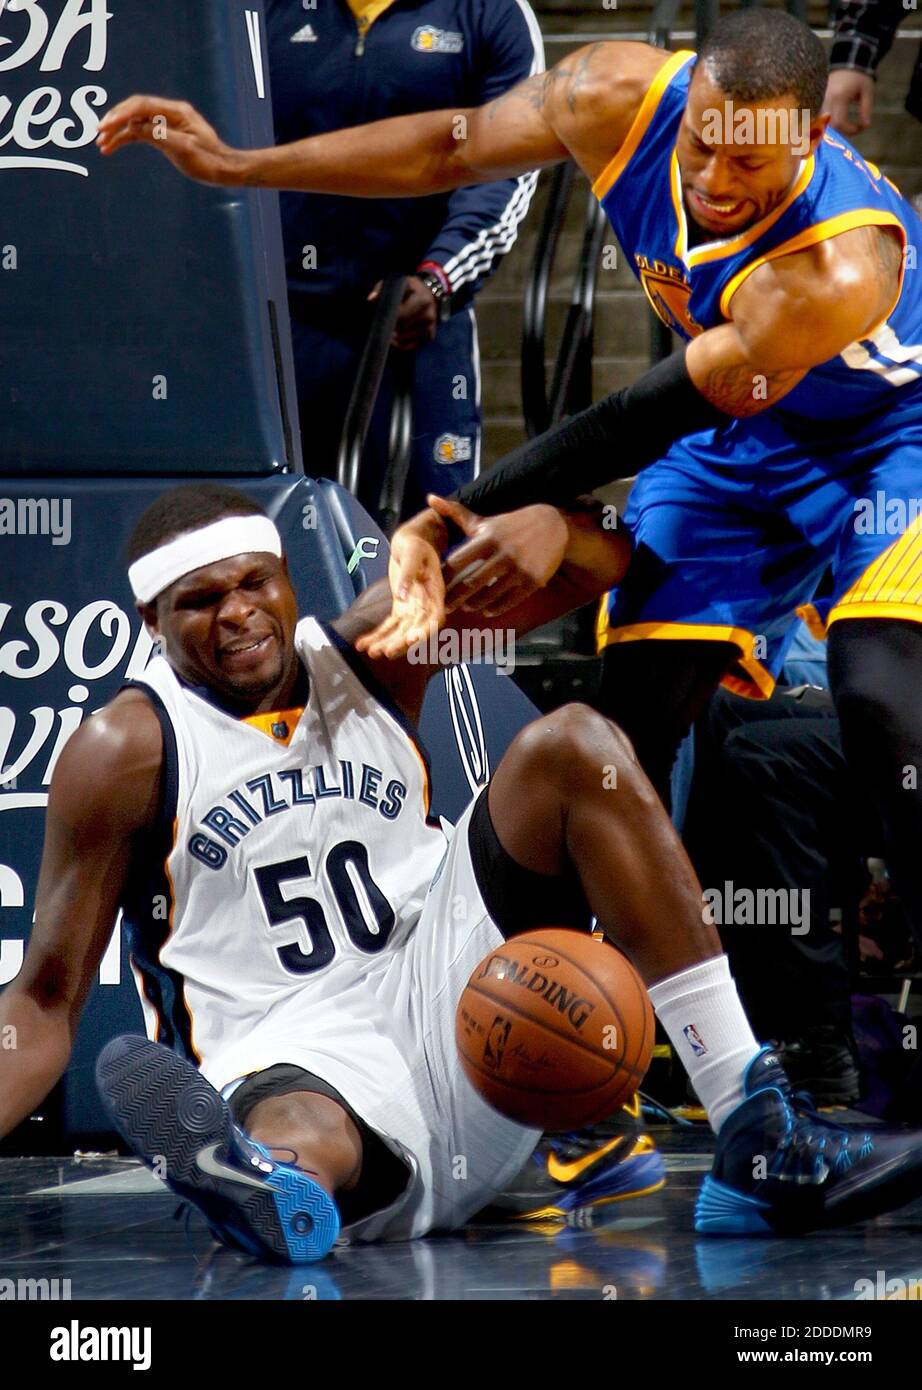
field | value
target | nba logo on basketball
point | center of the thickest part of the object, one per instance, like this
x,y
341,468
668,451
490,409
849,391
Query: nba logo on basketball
x,y
695,1041
495,1045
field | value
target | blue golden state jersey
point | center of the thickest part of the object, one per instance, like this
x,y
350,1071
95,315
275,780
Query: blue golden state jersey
x,y
692,289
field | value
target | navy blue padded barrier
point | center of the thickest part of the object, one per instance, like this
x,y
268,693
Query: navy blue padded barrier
x,y
145,317
69,636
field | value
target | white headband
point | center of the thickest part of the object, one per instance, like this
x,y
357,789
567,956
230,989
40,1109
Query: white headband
x,y
232,535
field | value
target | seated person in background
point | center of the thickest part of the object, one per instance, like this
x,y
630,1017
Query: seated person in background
x,y
774,810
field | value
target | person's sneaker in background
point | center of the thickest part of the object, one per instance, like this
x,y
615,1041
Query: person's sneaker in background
x,y
824,1062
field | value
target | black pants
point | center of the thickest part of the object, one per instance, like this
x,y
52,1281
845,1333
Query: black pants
x,y
772,807
656,689
446,424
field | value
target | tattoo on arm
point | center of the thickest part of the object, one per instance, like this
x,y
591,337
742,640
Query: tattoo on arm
x,y
537,90
534,90
578,80
741,392
885,256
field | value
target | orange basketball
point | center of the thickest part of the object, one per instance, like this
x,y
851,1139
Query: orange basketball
x,y
555,1029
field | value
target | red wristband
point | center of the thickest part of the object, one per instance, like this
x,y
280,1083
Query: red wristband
x,y
435,269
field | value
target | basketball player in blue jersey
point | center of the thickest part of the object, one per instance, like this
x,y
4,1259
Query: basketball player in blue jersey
x,y
262,778
784,442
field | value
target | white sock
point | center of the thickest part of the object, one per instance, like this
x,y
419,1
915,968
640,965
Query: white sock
x,y
701,1012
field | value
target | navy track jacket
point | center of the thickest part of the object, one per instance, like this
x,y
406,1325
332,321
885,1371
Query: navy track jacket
x,y
419,55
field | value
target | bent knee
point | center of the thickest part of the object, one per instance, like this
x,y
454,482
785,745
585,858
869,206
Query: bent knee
x,y
302,1112
573,742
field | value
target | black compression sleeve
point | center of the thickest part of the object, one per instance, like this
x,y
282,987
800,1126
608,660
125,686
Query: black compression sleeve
x,y
615,438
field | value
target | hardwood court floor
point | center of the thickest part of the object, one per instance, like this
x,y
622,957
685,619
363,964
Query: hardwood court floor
x,y
108,1227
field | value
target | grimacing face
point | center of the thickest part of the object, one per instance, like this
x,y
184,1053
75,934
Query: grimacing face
x,y
738,160
230,626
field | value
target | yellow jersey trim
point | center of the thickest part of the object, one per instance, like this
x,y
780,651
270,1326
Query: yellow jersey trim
x,y
748,689
895,576
890,587
812,236
761,682
908,612
717,251
264,723
678,207
815,625
427,789
645,113
601,623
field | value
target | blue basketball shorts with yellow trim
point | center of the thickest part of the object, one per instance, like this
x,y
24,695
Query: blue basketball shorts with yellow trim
x,y
734,530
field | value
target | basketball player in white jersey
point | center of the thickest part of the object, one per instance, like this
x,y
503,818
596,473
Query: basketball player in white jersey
x,y
262,779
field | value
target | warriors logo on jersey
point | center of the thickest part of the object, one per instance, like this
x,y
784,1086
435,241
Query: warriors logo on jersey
x,y
668,290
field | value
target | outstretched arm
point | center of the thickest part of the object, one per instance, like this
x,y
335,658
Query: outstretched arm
x,y
502,564
582,107
103,790
546,563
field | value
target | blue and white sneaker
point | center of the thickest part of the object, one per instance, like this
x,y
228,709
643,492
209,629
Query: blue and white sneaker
x,y
177,1122
780,1168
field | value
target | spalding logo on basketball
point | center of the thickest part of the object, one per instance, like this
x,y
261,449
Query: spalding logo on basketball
x,y
555,1029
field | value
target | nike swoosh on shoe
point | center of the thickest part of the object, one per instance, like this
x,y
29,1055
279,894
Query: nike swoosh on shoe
x,y
206,1161
569,1172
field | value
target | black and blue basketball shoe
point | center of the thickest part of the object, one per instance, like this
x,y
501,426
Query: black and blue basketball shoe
x,y
781,1169
179,1125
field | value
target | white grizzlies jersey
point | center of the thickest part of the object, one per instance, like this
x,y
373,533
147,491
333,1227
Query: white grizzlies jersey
x,y
293,856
